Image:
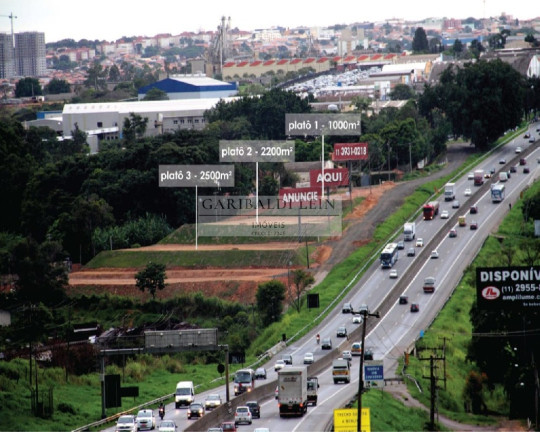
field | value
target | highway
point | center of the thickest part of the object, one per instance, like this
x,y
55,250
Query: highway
x,y
398,328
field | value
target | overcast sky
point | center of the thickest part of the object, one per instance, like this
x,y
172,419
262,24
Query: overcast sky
x,y
112,19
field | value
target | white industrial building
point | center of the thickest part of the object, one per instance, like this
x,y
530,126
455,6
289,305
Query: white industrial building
x,y
104,121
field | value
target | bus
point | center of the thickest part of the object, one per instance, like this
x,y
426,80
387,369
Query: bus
x,y
244,381
497,192
389,255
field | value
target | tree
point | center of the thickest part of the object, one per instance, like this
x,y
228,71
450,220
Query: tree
x,y
57,86
402,92
134,126
96,76
151,278
155,94
457,48
270,296
300,281
420,43
28,87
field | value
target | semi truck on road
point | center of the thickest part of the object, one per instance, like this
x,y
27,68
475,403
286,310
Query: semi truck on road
x,y
449,192
409,231
431,209
292,393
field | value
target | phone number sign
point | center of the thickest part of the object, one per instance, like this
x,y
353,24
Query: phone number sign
x,y
350,151
515,288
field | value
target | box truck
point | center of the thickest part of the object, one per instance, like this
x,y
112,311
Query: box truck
x,y
292,393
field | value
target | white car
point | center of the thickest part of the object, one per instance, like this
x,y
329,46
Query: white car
x,y
167,426
470,176
308,358
518,149
434,254
242,415
126,423
280,364
357,319
212,401
468,192
445,214
419,242
393,274
146,420
347,355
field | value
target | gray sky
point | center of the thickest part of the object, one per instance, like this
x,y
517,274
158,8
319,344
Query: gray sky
x,y
112,19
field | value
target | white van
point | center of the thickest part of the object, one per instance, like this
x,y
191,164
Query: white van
x,y
184,394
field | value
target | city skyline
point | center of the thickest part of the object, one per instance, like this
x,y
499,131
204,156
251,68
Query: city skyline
x,y
110,21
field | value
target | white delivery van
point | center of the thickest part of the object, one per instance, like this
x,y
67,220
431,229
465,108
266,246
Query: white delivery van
x,y
184,394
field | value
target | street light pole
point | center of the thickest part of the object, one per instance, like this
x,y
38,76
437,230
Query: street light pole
x,y
364,314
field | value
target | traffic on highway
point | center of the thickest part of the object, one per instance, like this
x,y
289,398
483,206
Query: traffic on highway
x,y
407,288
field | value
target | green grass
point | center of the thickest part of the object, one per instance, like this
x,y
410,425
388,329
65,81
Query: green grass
x,y
199,259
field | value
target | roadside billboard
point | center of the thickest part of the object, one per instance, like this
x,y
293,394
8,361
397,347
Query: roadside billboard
x,y
350,151
516,288
333,177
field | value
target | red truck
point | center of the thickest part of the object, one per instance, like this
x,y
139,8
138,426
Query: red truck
x,y
429,284
479,177
431,209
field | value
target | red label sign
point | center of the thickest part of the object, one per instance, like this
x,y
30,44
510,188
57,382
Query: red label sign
x,y
297,196
332,177
350,151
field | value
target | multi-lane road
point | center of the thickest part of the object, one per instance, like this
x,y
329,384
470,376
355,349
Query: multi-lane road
x,y
398,328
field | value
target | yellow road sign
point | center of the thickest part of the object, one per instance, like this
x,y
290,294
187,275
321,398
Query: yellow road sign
x,y
345,420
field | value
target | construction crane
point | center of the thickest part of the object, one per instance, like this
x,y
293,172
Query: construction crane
x,y
11,17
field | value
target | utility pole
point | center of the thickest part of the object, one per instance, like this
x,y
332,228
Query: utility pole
x,y
433,388
365,313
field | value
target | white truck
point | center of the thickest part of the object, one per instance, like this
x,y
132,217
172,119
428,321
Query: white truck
x,y
449,192
184,394
409,231
292,393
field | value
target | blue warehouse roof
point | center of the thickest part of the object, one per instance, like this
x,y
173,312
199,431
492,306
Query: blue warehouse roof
x,y
189,84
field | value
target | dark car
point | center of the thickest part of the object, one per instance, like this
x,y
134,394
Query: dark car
x,y
401,244
452,233
411,252
526,170
523,161
368,355
403,299
474,225
195,410
255,408
260,373
513,169
502,161
415,307
347,308
341,332
326,344
474,209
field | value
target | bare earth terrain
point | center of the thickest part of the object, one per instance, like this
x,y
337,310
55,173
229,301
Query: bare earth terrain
x,y
227,283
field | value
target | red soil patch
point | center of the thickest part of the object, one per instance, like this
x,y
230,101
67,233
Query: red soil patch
x,y
230,284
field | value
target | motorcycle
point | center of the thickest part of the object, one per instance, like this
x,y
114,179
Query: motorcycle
x,y
318,339
162,413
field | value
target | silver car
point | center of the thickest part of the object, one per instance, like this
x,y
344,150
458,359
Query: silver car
x,y
126,423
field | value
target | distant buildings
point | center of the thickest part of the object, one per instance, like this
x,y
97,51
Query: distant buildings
x,y
25,56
